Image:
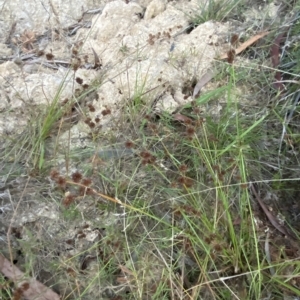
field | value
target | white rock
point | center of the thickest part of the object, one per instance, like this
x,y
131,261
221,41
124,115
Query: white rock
x,y
155,8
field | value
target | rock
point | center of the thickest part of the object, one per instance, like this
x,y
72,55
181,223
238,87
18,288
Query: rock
x,y
155,8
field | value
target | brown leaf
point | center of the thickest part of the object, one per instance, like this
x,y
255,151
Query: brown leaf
x,y
97,63
246,44
183,119
202,82
125,270
275,61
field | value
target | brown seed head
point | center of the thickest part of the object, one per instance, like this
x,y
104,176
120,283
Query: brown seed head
x,y
106,111
49,56
217,247
77,176
188,182
70,241
79,80
129,144
145,154
61,181
89,191
25,286
92,125
54,174
92,108
40,53
86,181
75,51
230,56
69,199
190,131
183,168
234,40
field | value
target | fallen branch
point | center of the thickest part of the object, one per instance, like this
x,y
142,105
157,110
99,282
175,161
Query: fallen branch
x,y
34,289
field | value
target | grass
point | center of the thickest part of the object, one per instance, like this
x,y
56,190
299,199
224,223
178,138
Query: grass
x,y
216,10
175,219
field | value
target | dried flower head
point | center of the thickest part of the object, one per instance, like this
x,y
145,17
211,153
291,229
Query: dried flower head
x,y
183,168
87,120
151,42
81,191
76,177
216,168
17,294
244,186
234,40
69,199
145,154
75,51
91,108
186,181
208,239
152,127
71,272
79,80
76,63
217,247
65,101
230,56
86,181
129,144
40,53
49,56
106,111
81,236
148,117
92,125
61,181
190,131
70,241
181,180
25,286
197,110
89,191
54,174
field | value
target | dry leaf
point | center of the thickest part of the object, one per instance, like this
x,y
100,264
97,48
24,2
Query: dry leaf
x,y
275,61
27,40
202,82
246,44
125,270
182,118
97,63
